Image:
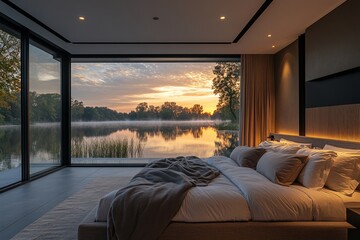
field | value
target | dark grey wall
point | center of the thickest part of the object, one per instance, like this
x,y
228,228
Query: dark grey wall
x,y
333,42
287,90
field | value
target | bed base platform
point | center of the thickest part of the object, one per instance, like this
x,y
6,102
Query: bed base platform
x,y
91,230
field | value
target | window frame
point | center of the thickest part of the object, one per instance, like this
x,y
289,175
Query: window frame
x,y
26,36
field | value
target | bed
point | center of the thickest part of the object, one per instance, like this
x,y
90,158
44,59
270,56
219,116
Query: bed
x,y
306,214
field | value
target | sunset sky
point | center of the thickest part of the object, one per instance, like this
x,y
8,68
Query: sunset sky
x,y
121,86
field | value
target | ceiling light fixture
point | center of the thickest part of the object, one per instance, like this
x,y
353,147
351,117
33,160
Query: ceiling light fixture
x,y
81,18
222,18
273,46
269,35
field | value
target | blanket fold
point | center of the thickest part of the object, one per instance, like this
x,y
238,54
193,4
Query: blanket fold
x,y
145,207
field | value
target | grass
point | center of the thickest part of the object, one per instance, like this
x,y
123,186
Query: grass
x,y
106,148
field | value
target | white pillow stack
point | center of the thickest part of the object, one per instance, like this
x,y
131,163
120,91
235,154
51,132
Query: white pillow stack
x,y
344,176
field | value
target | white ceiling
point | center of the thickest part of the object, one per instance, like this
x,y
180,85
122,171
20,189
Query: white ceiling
x,y
181,21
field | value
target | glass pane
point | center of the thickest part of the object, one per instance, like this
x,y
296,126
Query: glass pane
x,y
10,110
136,112
45,110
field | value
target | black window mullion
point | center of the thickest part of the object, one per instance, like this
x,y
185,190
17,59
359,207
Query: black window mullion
x,y
25,160
65,110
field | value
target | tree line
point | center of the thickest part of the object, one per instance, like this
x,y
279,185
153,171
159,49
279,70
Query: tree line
x,y
47,108
143,111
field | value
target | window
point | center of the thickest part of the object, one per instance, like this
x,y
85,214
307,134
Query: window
x,y
44,109
132,112
10,108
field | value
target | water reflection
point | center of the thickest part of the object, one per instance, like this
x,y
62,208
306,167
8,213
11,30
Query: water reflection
x,y
160,139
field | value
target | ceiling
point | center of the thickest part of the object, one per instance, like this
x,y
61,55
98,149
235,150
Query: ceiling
x,y
188,26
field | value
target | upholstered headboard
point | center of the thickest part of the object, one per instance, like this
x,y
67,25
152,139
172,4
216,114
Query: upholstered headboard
x,y
316,142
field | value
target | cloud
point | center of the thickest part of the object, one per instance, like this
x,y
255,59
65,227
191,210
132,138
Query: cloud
x,y
122,86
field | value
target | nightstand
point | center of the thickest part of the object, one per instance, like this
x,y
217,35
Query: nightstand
x,y
353,217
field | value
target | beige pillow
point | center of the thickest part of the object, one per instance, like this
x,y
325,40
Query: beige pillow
x,y
281,168
279,147
317,169
247,156
308,145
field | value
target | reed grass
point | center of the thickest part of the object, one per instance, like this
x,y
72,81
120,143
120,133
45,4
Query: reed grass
x,y
106,148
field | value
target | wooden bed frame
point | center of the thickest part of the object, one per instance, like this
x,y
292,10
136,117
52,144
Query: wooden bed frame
x,y
91,230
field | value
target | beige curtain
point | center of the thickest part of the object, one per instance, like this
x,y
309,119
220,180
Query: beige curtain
x,y
257,99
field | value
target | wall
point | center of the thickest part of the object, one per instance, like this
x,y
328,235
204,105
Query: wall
x,y
332,74
287,90
333,42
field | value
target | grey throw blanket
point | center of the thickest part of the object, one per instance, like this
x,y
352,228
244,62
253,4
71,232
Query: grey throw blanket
x,y
145,207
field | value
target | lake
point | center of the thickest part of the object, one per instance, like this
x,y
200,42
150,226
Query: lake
x,y
109,140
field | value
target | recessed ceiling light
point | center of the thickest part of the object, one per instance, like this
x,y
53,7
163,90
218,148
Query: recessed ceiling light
x,y
82,18
273,46
269,35
156,18
222,18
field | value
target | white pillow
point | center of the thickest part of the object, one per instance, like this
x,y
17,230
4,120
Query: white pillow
x,y
339,149
348,150
308,145
344,174
317,169
279,147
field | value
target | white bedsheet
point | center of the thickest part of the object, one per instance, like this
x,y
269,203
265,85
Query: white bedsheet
x,y
218,202
349,202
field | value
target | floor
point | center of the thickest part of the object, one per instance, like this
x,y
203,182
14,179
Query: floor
x,y
23,205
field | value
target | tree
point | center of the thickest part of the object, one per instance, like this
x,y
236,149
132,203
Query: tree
x,y
227,85
197,110
9,70
77,110
142,110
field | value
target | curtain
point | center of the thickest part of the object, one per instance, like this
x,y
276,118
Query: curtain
x,y
257,99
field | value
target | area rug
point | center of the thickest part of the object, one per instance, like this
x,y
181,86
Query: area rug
x,y
62,221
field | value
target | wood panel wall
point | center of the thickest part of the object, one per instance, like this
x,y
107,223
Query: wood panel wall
x,y
334,122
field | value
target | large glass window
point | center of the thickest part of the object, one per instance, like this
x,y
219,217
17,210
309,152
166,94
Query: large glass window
x,y
135,112
10,110
44,109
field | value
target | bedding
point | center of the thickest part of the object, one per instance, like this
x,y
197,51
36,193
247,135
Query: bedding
x,y
243,194
317,169
300,144
247,156
281,168
279,147
344,174
145,207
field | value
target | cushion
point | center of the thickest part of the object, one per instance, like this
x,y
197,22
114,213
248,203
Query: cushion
x,y
339,149
348,150
247,156
317,169
308,145
344,174
279,147
281,168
